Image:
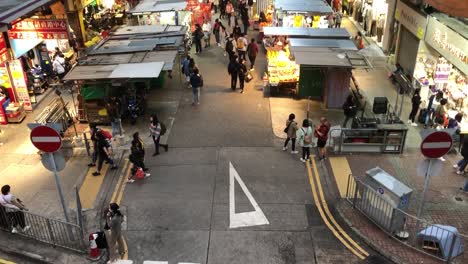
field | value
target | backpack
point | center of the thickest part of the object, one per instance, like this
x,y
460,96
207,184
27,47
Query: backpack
x,y
240,43
106,134
229,46
163,128
307,138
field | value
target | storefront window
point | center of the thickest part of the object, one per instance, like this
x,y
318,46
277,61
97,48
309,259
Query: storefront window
x,y
371,15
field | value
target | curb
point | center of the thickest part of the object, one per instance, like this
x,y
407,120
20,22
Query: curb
x,y
25,254
370,243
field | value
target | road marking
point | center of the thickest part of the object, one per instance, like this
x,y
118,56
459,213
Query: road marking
x,y
122,177
341,171
4,261
124,184
91,187
325,214
254,218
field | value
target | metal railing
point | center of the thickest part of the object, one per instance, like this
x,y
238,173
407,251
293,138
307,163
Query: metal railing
x,y
405,228
43,229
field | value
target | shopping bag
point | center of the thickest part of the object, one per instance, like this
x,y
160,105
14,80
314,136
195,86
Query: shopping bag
x,y
249,77
139,174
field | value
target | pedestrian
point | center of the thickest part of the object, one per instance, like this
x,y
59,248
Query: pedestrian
x,y
185,68
241,47
58,66
245,19
215,4
233,70
93,132
252,51
197,38
415,102
222,9
113,227
291,130
242,72
236,31
359,40
433,101
231,47
229,11
440,114
104,153
321,133
157,129
207,33
14,208
196,81
137,157
338,18
454,123
218,26
461,165
304,134
349,109
115,115
331,20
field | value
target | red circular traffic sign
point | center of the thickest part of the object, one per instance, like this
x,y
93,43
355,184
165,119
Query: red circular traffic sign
x,y
46,139
436,144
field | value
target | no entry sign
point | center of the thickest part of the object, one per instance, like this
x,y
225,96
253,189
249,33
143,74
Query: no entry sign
x,y
46,139
436,144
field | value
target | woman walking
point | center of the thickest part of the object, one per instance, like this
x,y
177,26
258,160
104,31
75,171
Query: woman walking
x,y
304,134
415,102
137,157
321,132
114,219
290,130
155,132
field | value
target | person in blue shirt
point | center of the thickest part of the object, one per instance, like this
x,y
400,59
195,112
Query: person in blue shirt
x,y
196,81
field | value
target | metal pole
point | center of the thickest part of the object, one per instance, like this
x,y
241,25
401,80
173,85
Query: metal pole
x,y
59,188
426,185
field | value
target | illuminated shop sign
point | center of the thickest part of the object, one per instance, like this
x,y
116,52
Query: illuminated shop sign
x,y
412,20
3,49
448,43
39,29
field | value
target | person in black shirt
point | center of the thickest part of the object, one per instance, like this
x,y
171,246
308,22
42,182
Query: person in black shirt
x,y
104,151
242,74
415,102
233,70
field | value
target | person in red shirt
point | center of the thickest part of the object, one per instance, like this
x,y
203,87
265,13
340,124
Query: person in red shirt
x,y
321,133
252,51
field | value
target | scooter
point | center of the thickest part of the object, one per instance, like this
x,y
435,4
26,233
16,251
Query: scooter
x,y
135,108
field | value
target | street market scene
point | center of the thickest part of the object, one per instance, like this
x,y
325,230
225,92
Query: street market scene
x,y
233,131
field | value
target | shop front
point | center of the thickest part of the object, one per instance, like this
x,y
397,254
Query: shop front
x,y
372,16
34,43
411,31
302,13
442,63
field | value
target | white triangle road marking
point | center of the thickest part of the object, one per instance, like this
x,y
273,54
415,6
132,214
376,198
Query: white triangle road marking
x,y
253,218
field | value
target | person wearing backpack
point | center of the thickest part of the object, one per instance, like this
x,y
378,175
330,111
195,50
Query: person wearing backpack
x,y
137,157
252,51
241,47
304,134
230,47
157,129
198,35
321,133
291,130
242,72
233,70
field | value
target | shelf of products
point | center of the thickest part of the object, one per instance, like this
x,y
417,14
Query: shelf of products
x,y
281,69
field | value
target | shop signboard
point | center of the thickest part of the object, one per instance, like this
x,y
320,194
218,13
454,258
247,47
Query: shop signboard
x,y
3,49
448,43
19,83
412,20
39,29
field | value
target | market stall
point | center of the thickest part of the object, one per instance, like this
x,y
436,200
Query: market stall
x,y
302,13
154,12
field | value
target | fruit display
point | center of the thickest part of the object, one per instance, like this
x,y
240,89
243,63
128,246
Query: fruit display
x,y
281,68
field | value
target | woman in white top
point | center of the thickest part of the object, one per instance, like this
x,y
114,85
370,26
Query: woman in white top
x,y
14,210
207,31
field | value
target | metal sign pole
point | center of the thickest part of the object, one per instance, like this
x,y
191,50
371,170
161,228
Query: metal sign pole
x,y
59,188
426,185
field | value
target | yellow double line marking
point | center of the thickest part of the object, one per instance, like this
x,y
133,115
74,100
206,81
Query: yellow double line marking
x,y
4,261
327,217
118,194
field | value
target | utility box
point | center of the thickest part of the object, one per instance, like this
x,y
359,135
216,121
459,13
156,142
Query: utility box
x,y
389,194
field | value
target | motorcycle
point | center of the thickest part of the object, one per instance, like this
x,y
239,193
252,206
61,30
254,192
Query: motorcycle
x,y
135,108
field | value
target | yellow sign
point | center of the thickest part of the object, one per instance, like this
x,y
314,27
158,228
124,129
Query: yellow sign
x,y
397,14
420,33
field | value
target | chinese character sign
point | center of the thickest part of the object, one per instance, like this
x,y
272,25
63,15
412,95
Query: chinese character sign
x,y
3,49
39,29
19,83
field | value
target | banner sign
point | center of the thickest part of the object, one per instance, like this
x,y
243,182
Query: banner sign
x,y
39,29
3,49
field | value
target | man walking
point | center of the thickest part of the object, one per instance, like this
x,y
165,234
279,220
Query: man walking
x,y
197,38
196,80
104,153
241,47
242,74
233,70
231,47
252,51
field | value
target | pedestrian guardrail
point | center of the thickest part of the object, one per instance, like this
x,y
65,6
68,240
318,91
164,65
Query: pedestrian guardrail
x,y
43,229
439,241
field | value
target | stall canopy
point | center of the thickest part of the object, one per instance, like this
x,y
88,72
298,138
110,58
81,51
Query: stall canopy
x,y
120,71
312,7
147,7
10,10
298,44
325,33
147,29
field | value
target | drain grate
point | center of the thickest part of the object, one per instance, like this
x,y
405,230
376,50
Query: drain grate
x,y
459,199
